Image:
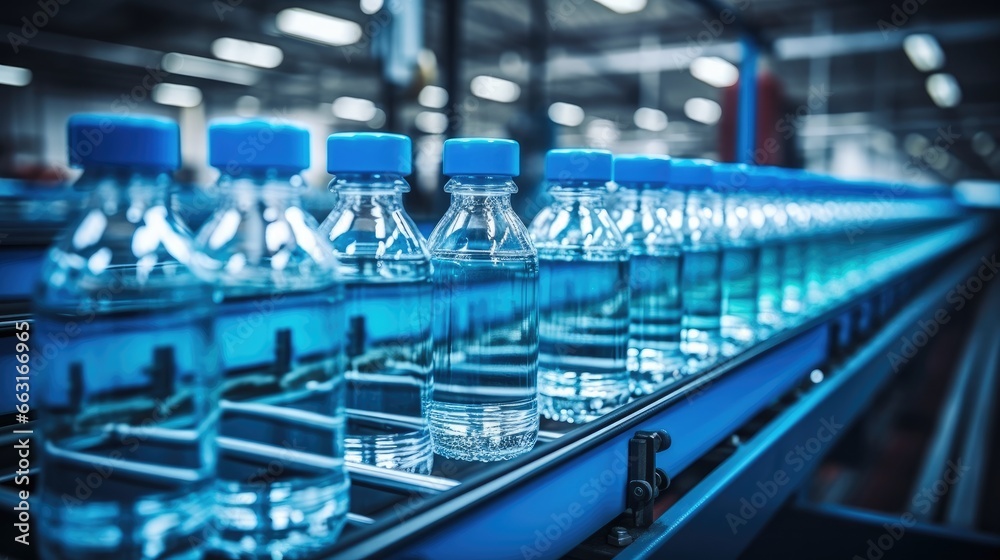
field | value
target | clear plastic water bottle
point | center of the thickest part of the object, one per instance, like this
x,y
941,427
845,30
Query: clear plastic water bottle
x,y
860,236
701,265
124,355
763,184
583,291
484,397
283,488
822,232
649,216
740,257
791,187
386,266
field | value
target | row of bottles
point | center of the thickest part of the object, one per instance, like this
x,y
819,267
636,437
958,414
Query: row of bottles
x,y
209,386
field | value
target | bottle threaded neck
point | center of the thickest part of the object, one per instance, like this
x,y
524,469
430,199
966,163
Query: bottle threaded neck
x,y
489,185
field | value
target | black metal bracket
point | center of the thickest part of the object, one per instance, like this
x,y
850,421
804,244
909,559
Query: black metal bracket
x,y
645,481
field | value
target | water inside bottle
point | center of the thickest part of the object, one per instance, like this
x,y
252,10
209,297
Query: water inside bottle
x,y
388,365
484,398
128,435
282,484
701,301
583,337
654,354
740,270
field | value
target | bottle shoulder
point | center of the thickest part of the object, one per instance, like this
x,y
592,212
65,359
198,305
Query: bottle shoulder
x,y
577,229
374,232
107,261
266,246
650,229
488,227
376,243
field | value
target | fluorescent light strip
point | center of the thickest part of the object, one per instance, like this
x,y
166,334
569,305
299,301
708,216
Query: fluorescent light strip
x,y
702,110
371,6
14,76
566,114
623,6
176,95
317,27
434,97
495,89
924,52
653,120
714,71
354,109
247,52
944,90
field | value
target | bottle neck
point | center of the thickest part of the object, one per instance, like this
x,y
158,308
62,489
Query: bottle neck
x,y
262,176
591,193
704,215
369,188
481,185
265,184
651,193
115,188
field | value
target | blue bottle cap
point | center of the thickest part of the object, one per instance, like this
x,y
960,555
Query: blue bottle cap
x,y
134,141
237,145
691,172
642,169
481,156
368,152
578,165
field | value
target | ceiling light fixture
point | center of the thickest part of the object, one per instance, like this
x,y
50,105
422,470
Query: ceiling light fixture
x,y
702,110
371,6
924,52
653,120
715,71
495,89
317,27
435,97
14,76
247,52
566,114
176,95
354,109
944,90
623,6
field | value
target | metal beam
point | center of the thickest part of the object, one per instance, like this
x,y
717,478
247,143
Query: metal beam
x,y
678,56
746,112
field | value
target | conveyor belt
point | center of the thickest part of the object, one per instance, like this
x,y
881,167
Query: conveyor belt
x,y
573,483
692,527
500,512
